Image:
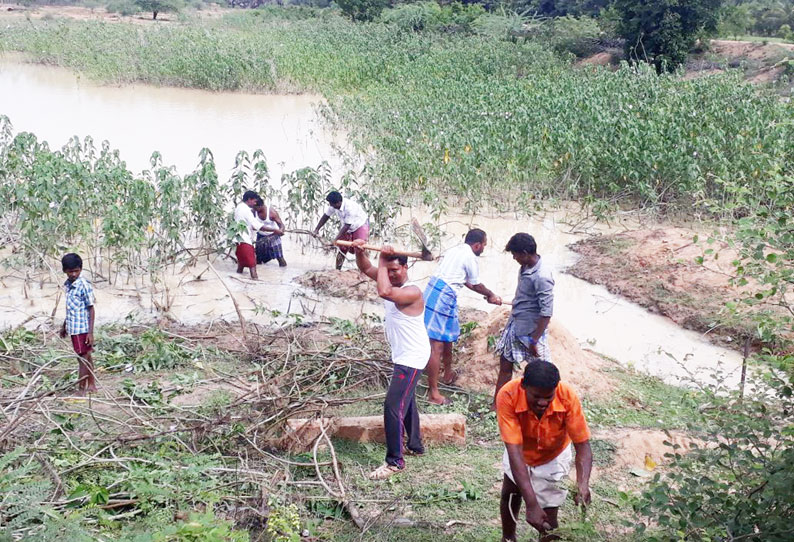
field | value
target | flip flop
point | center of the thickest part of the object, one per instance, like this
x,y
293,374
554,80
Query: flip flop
x,y
385,471
453,380
446,402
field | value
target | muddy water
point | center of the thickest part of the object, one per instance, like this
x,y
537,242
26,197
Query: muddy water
x,y
56,104
599,320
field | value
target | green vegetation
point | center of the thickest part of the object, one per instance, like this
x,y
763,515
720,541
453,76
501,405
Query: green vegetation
x,y
486,118
739,483
663,32
159,6
767,18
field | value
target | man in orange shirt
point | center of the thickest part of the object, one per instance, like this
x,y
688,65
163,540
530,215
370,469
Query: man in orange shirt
x,y
539,417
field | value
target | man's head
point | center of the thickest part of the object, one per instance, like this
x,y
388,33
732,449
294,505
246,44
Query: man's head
x,y
250,197
477,240
397,267
540,384
523,248
334,198
259,204
72,265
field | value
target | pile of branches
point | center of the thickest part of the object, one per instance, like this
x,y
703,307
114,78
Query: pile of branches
x,y
295,371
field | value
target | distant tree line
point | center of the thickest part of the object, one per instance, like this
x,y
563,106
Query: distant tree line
x,y
773,18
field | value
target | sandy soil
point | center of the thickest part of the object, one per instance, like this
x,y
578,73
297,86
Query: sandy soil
x,y
478,365
639,453
657,269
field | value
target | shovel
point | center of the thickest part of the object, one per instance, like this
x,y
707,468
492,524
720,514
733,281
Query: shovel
x,y
425,255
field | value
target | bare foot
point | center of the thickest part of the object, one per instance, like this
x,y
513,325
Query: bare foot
x,y
282,262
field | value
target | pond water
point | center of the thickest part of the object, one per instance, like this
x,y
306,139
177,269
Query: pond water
x,y
56,104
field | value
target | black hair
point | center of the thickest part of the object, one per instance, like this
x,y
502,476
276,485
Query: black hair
x,y
260,202
541,374
250,194
71,261
398,257
522,242
475,235
334,197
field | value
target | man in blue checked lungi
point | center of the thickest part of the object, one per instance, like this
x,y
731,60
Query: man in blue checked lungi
x,y
458,268
525,338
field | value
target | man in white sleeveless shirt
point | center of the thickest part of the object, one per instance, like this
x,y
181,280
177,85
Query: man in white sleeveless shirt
x,y
410,349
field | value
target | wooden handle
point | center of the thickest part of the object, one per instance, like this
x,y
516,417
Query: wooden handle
x,y
379,249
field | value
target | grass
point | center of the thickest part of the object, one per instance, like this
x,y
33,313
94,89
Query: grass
x,y
447,484
644,402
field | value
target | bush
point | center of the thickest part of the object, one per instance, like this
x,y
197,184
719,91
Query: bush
x,y
362,10
123,7
578,36
431,16
740,485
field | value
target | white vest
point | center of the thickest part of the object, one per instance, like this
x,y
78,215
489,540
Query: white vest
x,y
407,337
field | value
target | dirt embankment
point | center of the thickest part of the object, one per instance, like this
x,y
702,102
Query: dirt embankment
x,y
349,283
657,269
478,365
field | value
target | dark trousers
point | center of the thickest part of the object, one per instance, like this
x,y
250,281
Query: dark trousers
x,y
400,413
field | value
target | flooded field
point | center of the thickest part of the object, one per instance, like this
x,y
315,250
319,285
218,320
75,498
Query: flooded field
x,y
56,104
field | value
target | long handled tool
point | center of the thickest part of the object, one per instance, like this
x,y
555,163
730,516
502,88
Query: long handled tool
x,y
425,255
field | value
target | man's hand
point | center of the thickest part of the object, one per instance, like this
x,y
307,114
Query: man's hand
x,y
89,339
538,518
358,245
494,299
279,232
63,331
582,497
533,350
386,251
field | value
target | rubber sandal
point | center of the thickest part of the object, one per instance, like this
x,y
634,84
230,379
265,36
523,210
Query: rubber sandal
x,y
453,380
385,471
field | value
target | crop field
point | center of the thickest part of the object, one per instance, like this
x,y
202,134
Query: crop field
x,y
473,115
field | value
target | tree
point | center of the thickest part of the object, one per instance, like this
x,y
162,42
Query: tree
x,y
735,21
362,10
662,32
159,6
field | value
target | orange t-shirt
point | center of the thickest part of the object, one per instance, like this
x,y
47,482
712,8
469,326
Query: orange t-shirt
x,y
545,438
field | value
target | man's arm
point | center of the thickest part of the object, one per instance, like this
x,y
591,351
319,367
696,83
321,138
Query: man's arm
x,y
584,464
342,231
274,216
535,514
323,220
362,260
400,296
490,297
